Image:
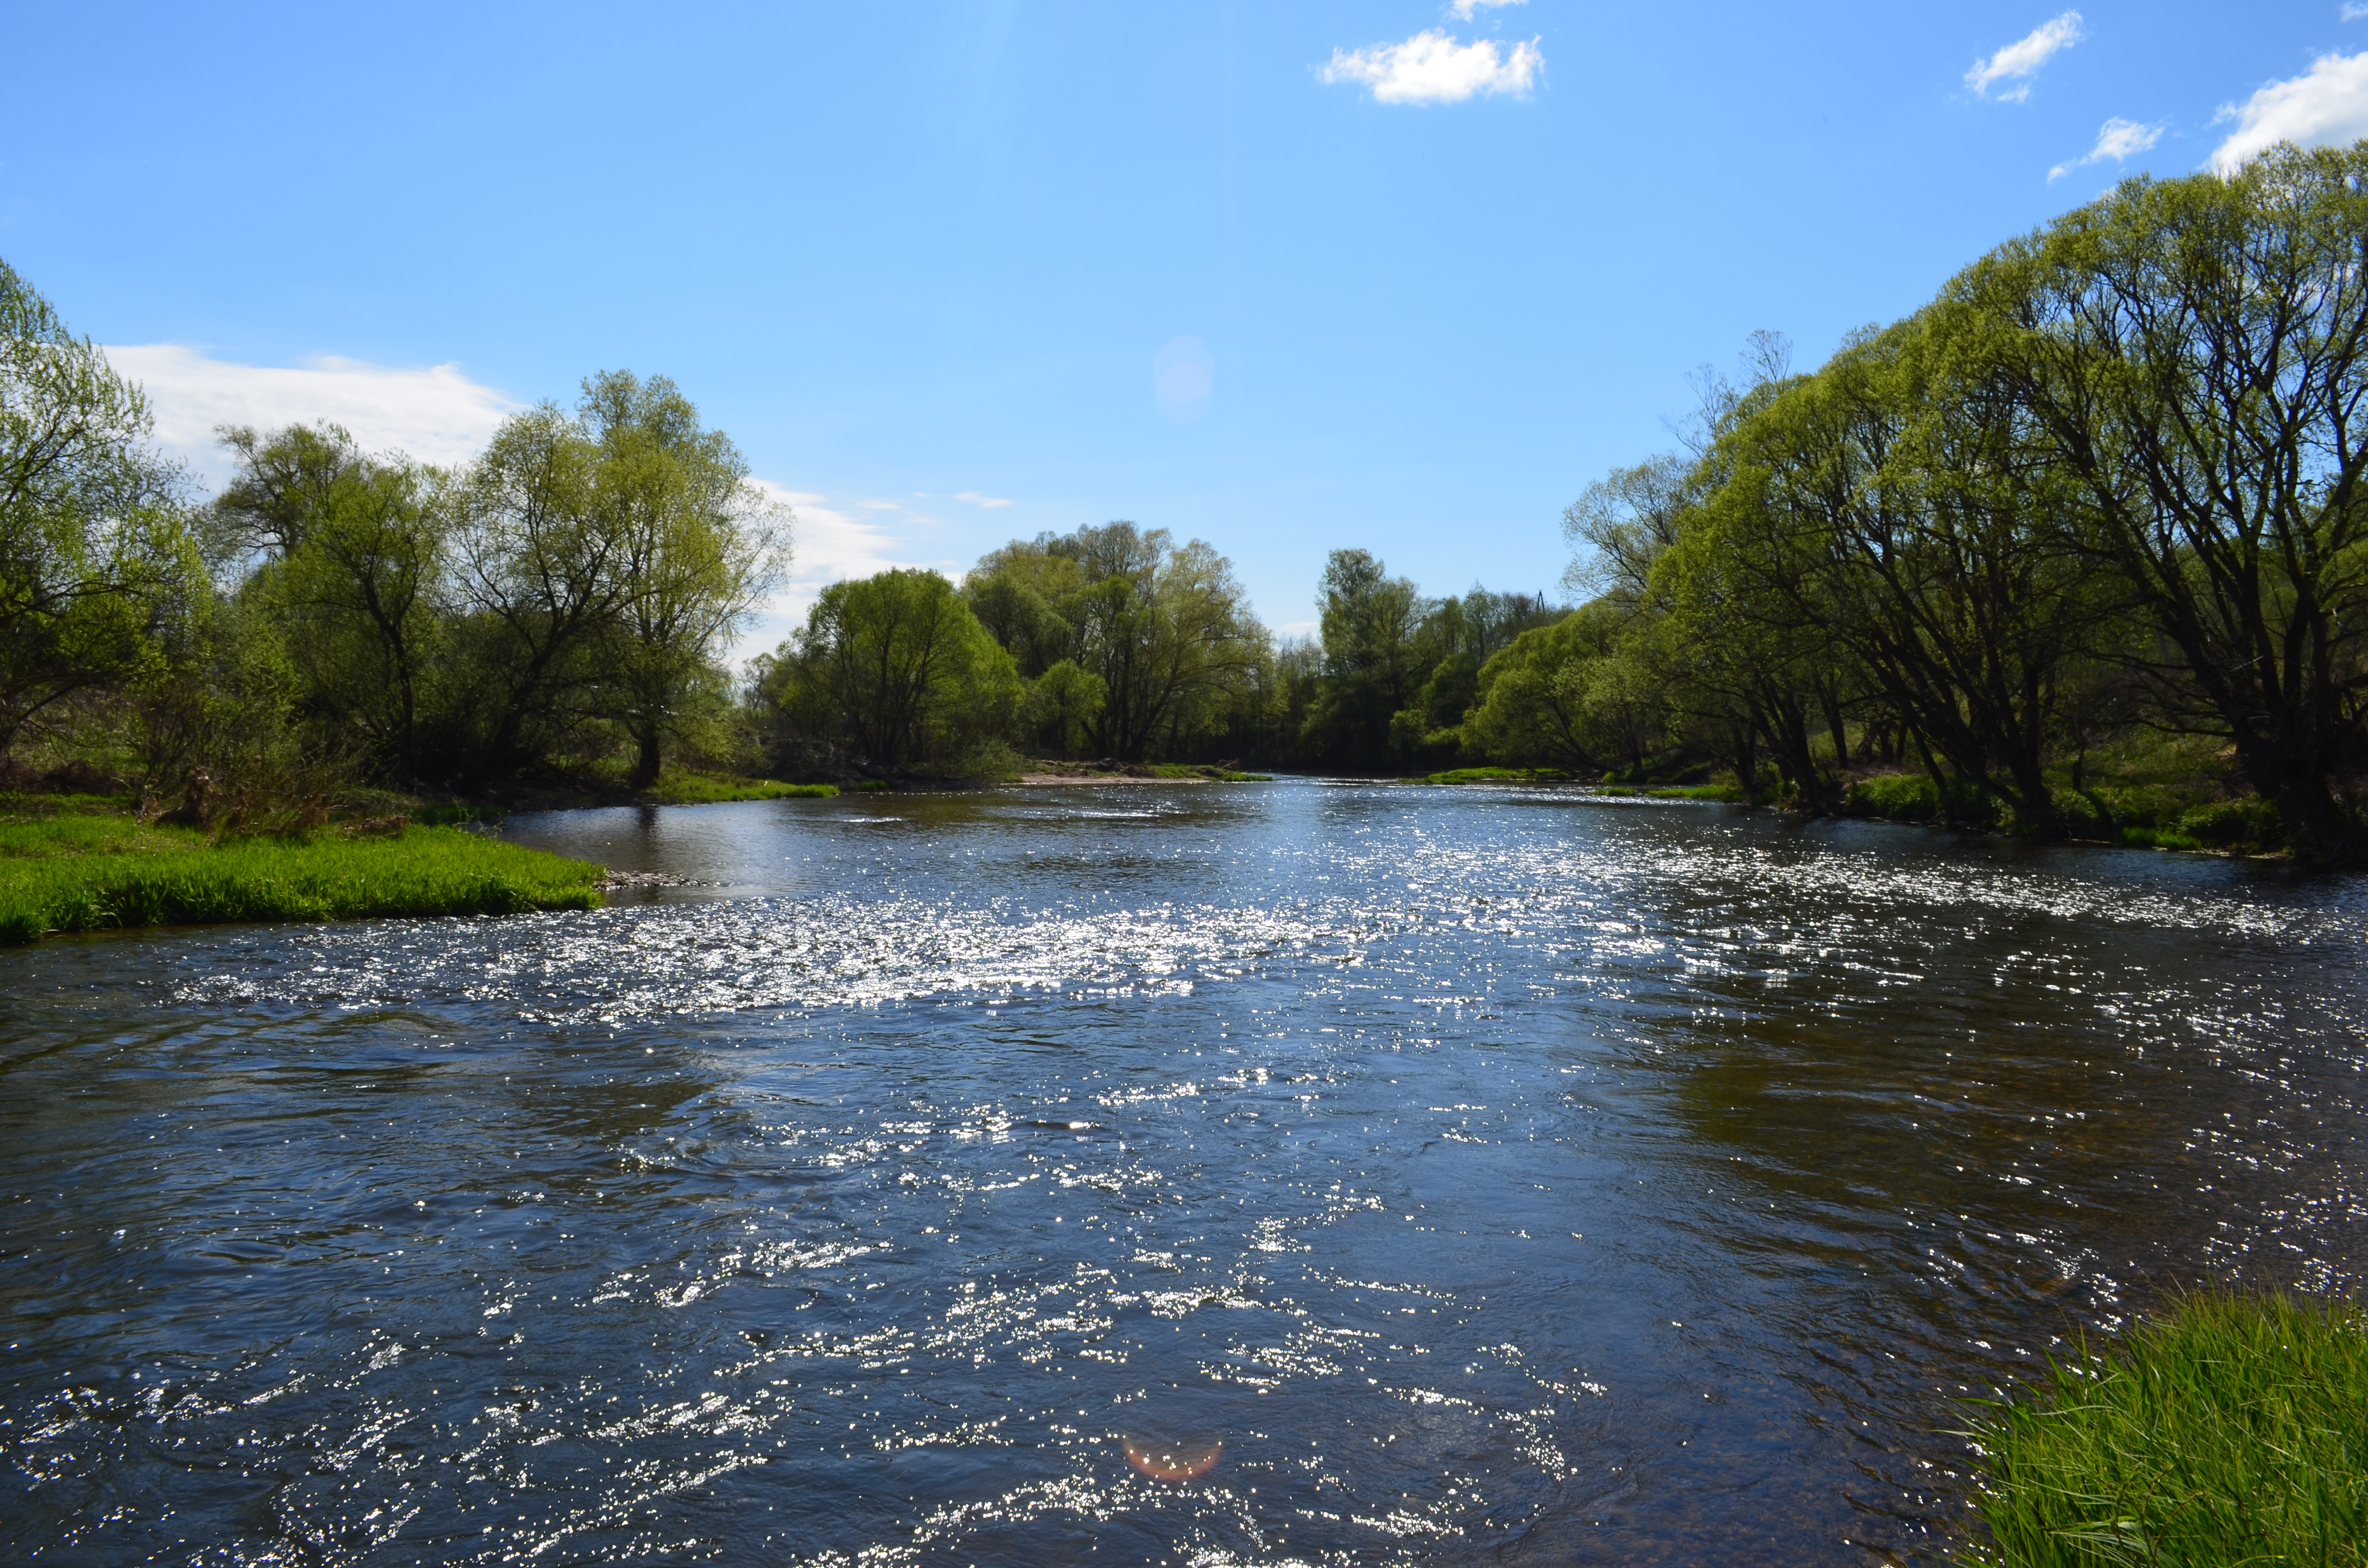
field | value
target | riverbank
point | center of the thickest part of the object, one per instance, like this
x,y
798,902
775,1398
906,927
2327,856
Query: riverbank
x,y
674,787
82,866
1042,772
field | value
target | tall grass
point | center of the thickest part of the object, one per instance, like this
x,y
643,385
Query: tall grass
x,y
2233,1431
98,873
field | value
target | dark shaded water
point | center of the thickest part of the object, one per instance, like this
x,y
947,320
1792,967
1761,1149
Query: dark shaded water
x,y
1445,1176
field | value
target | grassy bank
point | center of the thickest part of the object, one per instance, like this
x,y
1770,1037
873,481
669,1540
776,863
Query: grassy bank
x,y
88,871
576,788
1498,775
682,787
2232,1431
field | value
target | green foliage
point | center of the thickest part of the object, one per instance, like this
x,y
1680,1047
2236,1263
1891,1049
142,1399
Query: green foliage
x,y
64,874
1499,775
95,549
1161,650
896,668
1062,704
688,787
1572,695
989,760
2215,326
1207,771
2229,1432
1896,797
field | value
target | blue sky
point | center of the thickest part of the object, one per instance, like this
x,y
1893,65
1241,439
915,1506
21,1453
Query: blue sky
x,y
1282,277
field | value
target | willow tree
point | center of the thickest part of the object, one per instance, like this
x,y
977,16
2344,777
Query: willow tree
x,y
602,561
694,546
95,552
2194,351
896,668
1369,622
1163,627
1897,502
352,549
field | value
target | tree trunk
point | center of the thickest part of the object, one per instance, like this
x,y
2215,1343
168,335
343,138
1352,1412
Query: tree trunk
x,y
648,758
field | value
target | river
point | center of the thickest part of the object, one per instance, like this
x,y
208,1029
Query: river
x,y
1224,1174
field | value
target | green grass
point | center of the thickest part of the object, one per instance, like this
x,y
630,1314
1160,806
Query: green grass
x,y
1208,771
90,873
685,787
2235,1430
1725,792
1499,775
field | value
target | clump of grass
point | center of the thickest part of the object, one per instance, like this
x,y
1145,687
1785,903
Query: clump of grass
x,y
1499,775
1726,792
2235,1430
1896,797
1208,771
688,787
85,880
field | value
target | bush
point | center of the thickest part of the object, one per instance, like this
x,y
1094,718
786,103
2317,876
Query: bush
x,y
1896,797
2229,1432
2225,823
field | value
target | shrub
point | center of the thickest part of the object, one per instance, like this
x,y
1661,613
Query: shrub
x,y
1899,796
2228,823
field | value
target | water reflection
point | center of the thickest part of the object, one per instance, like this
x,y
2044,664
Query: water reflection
x,y
1231,1174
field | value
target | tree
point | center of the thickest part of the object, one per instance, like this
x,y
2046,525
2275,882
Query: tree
x,y
1623,523
601,562
1369,623
897,665
1163,627
535,583
1063,703
694,546
1895,505
1566,696
2192,350
95,549
354,552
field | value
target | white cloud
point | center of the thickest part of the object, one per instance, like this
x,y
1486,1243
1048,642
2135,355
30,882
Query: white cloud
x,y
2021,61
2327,105
2353,11
435,413
2117,139
1432,68
975,499
1464,8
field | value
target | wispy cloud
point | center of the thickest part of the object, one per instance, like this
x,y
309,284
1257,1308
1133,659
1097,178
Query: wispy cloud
x,y
975,499
1432,68
2352,12
1464,8
2117,139
2327,104
2021,61
435,413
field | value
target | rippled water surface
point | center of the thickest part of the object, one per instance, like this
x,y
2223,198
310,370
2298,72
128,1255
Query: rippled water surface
x,y
1213,1175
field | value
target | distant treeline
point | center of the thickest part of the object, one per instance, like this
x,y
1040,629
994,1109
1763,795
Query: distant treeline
x,y
2076,547
1117,643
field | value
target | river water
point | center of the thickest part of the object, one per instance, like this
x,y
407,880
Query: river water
x,y
1265,1174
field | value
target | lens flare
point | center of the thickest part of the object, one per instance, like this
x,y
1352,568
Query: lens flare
x,y
1172,1462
